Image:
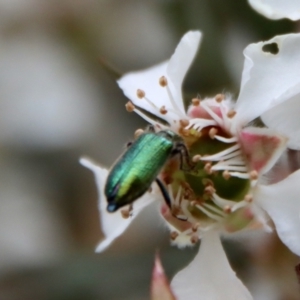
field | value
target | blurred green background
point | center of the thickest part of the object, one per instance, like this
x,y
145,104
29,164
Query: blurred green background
x,y
58,102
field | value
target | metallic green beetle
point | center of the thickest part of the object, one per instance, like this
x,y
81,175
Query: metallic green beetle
x,y
133,173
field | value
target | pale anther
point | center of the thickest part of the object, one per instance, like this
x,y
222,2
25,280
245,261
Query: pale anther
x,y
194,203
249,198
129,106
196,101
253,175
196,158
140,93
227,209
163,81
195,227
185,132
219,97
173,235
212,132
163,110
210,190
125,213
207,168
184,123
138,132
226,175
231,114
194,239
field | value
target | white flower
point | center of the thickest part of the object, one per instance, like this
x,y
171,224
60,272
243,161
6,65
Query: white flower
x,y
277,9
225,192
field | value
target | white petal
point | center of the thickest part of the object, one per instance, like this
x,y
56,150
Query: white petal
x,y
268,79
113,224
181,61
277,9
148,80
262,147
285,119
282,203
209,276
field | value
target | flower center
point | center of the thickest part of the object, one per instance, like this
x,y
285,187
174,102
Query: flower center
x,y
217,191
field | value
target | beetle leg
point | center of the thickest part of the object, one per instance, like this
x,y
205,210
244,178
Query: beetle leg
x,y
164,193
130,209
167,198
183,154
128,144
150,128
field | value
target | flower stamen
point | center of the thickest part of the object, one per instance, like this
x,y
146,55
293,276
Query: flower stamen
x,y
238,205
127,212
240,175
219,156
163,110
212,132
176,201
231,114
198,123
212,114
195,227
222,203
223,166
226,140
249,198
227,209
140,93
226,175
129,106
253,175
174,235
148,119
208,213
219,97
196,158
214,209
178,196
184,123
207,168
194,239
196,102
163,82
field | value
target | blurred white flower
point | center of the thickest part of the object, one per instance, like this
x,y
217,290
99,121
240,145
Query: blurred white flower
x,y
277,9
13,10
48,100
225,192
31,229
